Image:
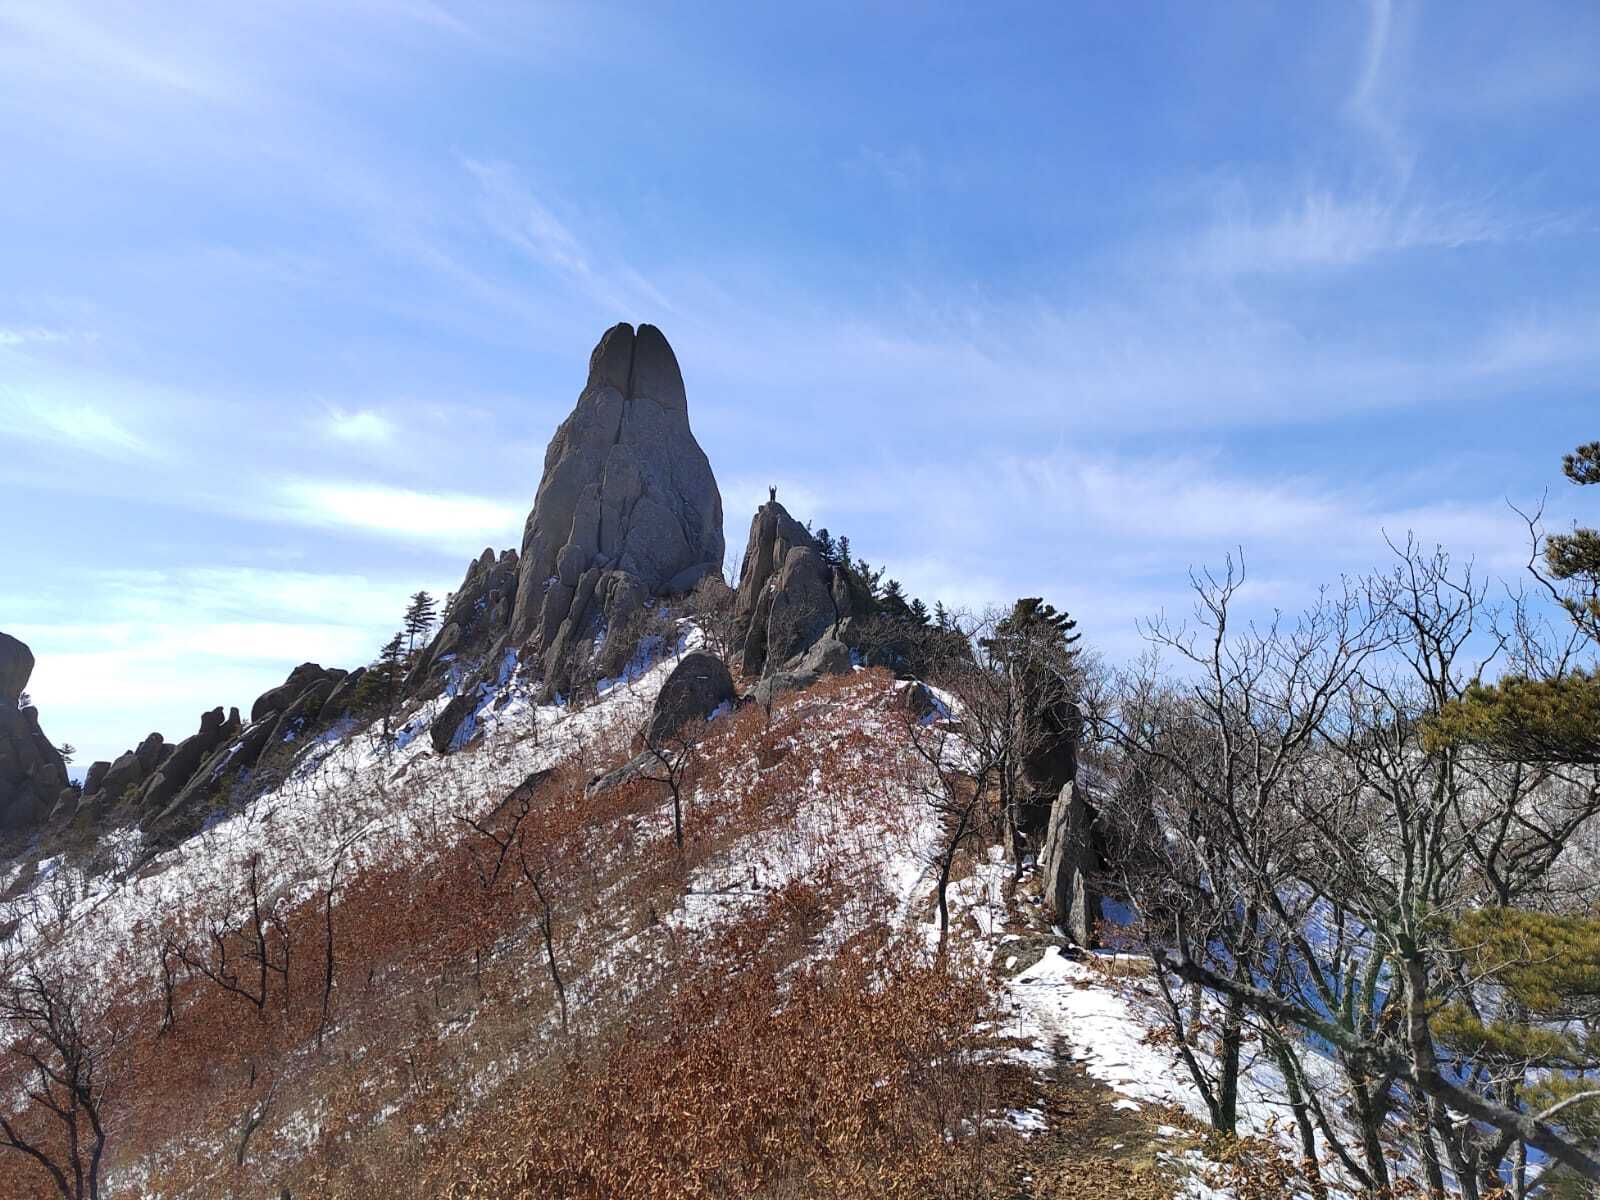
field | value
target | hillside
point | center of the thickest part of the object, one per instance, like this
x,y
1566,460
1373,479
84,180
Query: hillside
x,y
610,877
759,1010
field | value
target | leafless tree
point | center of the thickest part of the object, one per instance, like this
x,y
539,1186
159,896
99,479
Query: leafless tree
x,y
671,762
511,856
57,1062
1287,800
952,780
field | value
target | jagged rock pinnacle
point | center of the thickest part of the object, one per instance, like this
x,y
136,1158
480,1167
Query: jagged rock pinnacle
x,y
627,506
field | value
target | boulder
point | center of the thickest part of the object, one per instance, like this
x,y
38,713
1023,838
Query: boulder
x,y
16,668
915,698
186,758
1068,864
125,772
281,697
789,600
697,687
93,776
152,752
306,708
476,616
442,732
342,695
627,493
108,783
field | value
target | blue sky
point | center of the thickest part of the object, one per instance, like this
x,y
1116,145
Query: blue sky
x,y
1055,299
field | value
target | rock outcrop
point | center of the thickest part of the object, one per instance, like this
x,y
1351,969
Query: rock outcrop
x,y
476,619
33,775
627,507
697,687
1069,862
789,607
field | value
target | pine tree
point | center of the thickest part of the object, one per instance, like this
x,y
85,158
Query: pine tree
x,y
1574,558
419,620
1556,720
1034,627
919,612
391,663
941,616
827,547
844,552
894,601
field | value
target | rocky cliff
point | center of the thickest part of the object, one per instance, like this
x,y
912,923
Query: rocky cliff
x,y
627,507
790,606
32,773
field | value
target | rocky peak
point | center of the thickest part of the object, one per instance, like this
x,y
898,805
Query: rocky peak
x,y
627,506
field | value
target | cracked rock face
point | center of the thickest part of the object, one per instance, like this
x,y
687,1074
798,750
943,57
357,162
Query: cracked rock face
x,y
32,773
627,506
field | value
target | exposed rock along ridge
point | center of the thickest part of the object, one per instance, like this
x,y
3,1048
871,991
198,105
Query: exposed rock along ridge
x,y
627,506
790,606
33,775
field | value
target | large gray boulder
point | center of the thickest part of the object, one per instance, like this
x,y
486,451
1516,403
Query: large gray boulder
x,y
697,687
1069,862
16,668
32,773
278,699
627,505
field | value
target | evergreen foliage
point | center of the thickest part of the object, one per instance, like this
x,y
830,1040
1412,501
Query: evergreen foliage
x,y
419,619
1574,558
1550,721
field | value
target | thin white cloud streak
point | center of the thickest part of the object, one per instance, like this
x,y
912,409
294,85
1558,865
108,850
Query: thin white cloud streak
x,y
22,337
63,44
515,215
447,520
1080,525
362,427
1370,102
73,424
1322,229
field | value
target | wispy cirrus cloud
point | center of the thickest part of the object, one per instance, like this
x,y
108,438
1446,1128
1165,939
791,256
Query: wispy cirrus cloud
x,y
513,213
447,520
74,424
29,336
1321,228
364,427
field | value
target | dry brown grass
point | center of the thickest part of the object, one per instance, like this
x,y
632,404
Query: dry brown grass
x,y
737,1063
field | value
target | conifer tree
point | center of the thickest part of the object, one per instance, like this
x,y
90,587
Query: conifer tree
x,y
1574,558
827,547
894,601
419,618
391,661
1553,721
